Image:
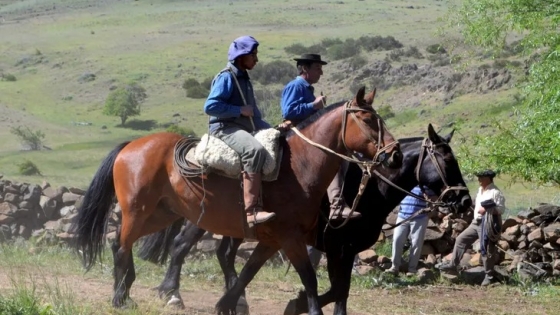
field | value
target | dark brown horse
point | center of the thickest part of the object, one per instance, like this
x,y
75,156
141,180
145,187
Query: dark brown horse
x,y
143,175
426,161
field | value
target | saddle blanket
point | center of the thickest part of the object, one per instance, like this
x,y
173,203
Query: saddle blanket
x,y
217,155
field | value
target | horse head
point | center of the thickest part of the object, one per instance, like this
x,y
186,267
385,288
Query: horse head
x,y
439,170
365,131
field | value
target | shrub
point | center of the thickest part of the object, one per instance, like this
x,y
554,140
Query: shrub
x,y
436,49
370,43
29,138
357,62
274,72
183,131
197,91
296,49
28,168
346,50
386,111
8,77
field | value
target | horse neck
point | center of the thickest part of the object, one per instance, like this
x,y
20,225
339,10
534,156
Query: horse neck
x,y
314,167
405,178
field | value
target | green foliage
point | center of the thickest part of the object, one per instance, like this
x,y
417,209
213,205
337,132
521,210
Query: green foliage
x,y
268,101
528,146
357,62
274,72
386,112
23,302
436,49
195,89
183,131
28,168
124,102
8,77
33,140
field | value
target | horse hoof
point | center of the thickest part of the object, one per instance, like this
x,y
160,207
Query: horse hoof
x,y
175,301
242,307
290,308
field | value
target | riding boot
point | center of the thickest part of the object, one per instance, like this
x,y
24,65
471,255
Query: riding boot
x,y
339,208
251,194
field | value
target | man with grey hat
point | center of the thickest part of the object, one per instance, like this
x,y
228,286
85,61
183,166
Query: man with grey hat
x,y
298,103
489,201
234,115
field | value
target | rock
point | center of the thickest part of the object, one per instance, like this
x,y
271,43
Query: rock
x,y
514,231
425,275
8,209
383,259
475,260
364,269
503,245
528,214
77,191
430,260
433,233
368,256
509,223
65,211
6,219
12,198
427,249
69,199
536,235
49,207
207,245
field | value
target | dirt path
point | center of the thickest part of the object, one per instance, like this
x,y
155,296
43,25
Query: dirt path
x,y
271,298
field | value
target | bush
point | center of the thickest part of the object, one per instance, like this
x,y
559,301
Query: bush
x,y
296,49
346,50
436,49
370,43
28,168
29,138
357,62
386,111
195,89
8,77
181,130
274,72
413,52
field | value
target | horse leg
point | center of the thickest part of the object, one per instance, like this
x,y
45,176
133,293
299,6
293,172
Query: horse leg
x,y
227,303
297,254
123,273
226,256
182,244
341,282
299,305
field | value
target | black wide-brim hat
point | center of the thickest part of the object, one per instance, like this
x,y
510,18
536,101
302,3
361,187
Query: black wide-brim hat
x,y
312,58
486,173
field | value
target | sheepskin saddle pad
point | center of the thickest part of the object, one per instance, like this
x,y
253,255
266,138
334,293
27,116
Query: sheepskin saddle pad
x,y
218,157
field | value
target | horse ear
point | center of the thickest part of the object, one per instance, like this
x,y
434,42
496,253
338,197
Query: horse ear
x,y
370,97
432,135
447,138
359,100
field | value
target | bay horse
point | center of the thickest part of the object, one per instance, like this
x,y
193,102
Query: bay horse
x,y
144,177
427,161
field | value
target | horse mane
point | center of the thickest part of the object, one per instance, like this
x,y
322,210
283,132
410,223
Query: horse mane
x,y
410,140
313,118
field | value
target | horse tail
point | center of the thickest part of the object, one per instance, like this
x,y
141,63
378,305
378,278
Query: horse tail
x,y
89,224
155,247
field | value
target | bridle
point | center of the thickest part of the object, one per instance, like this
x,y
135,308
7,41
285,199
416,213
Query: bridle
x,y
366,166
428,147
381,150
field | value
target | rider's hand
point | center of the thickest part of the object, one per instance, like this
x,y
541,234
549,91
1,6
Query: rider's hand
x,y
319,102
247,111
481,210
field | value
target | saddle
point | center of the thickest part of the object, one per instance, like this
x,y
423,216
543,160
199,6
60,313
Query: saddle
x,y
215,156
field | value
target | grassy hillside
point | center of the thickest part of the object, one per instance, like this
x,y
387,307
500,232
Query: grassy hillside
x,y
53,48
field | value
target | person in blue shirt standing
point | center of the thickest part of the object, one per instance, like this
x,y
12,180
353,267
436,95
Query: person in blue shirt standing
x,y
415,228
298,103
234,116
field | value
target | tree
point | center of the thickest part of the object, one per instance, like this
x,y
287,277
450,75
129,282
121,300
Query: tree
x,y
29,138
528,147
124,102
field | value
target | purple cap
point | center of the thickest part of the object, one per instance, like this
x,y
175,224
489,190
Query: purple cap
x,y
242,46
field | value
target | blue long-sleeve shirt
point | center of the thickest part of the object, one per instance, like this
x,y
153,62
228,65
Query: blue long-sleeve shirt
x,y
410,205
224,102
297,100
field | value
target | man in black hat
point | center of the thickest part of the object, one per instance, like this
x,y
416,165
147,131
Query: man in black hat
x,y
489,201
299,102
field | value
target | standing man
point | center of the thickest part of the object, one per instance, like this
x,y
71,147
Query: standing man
x,y
415,228
488,194
234,116
298,103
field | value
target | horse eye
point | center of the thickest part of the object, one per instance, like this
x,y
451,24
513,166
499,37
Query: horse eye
x,y
368,120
